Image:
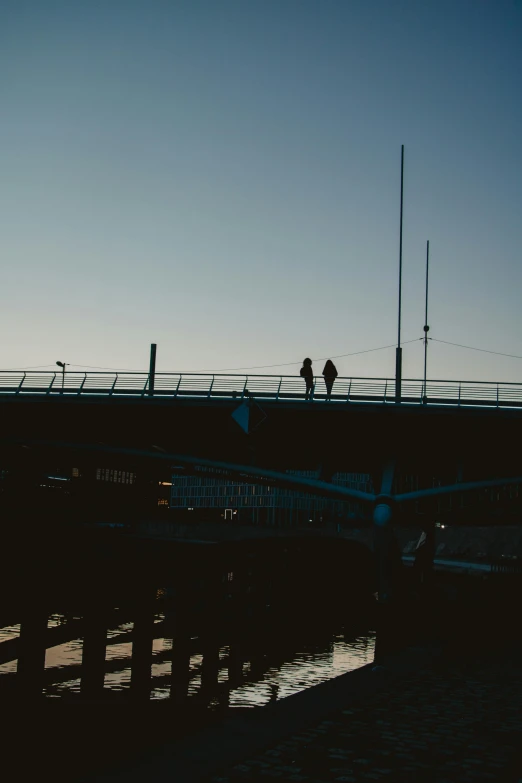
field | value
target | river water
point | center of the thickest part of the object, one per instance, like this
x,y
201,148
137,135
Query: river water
x,y
265,674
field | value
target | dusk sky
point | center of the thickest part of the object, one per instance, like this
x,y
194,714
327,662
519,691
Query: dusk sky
x,y
222,178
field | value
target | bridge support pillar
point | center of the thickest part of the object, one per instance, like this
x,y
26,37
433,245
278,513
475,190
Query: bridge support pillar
x,y
389,567
384,542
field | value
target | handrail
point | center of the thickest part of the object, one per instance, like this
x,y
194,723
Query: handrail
x,y
231,386
174,374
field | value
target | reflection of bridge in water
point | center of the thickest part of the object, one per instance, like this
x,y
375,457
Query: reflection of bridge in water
x,y
236,609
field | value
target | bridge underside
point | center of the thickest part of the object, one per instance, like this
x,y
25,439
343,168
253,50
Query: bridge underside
x,y
468,443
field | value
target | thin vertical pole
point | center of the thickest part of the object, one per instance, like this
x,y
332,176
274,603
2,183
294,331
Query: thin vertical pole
x,y
152,368
426,327
63,376
398,352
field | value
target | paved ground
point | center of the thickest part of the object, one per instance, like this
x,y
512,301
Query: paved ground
x,y
428,717
457,720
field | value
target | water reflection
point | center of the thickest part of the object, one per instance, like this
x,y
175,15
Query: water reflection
x,y
216,676
229,627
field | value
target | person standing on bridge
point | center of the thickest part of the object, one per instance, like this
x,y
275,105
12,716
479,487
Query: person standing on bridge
x,y
329,374
308,375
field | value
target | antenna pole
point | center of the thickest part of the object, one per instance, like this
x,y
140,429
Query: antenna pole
x,y
398,352
426,327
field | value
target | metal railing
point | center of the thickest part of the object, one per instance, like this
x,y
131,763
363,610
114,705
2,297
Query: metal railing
x,y
267,387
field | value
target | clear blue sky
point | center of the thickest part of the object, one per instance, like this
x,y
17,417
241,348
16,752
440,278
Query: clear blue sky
x,y
222,177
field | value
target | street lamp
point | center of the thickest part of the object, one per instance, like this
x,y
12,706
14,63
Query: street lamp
x,y
63,365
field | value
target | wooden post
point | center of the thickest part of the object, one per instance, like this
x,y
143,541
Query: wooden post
x,y
210,667
180,651
93,655
143,634
31,653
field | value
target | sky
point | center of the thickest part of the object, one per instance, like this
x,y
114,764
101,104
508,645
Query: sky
x,y
222,178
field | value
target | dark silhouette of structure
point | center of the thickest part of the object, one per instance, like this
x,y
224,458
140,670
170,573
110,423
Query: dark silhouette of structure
x,y
330,374
308,375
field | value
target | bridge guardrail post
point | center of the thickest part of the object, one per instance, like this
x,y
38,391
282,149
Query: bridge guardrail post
x,y
21,383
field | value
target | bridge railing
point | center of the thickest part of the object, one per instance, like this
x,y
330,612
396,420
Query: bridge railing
x,y
267,387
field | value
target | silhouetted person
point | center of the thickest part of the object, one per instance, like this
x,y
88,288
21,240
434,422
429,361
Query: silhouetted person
x,y
330,374
308,375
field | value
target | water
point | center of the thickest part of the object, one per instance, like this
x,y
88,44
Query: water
x,y
263,673
234,625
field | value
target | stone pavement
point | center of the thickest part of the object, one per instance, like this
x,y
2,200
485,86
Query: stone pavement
x,y
425,718
453,721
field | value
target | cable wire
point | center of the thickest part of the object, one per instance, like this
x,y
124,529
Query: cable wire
x,y
471,348
110,369
230,369
339,356
36,367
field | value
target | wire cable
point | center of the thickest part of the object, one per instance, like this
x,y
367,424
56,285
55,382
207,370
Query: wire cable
x,y
36,367
228,369
471,348
338,356
110,369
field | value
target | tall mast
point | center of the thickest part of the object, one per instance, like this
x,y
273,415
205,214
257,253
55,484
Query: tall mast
x,y
426,327
398,352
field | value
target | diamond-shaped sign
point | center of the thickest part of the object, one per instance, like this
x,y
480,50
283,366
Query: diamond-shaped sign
x,y
249,416
242,416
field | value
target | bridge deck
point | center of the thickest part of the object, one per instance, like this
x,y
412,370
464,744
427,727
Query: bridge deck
x,y
264,387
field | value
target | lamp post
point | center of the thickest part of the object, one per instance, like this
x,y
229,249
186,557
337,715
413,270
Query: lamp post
x,y
63,365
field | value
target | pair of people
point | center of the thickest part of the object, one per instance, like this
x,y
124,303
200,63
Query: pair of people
x,y
329,374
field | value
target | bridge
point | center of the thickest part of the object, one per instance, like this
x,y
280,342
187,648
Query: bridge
x,y
265,387
257,427
465,427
